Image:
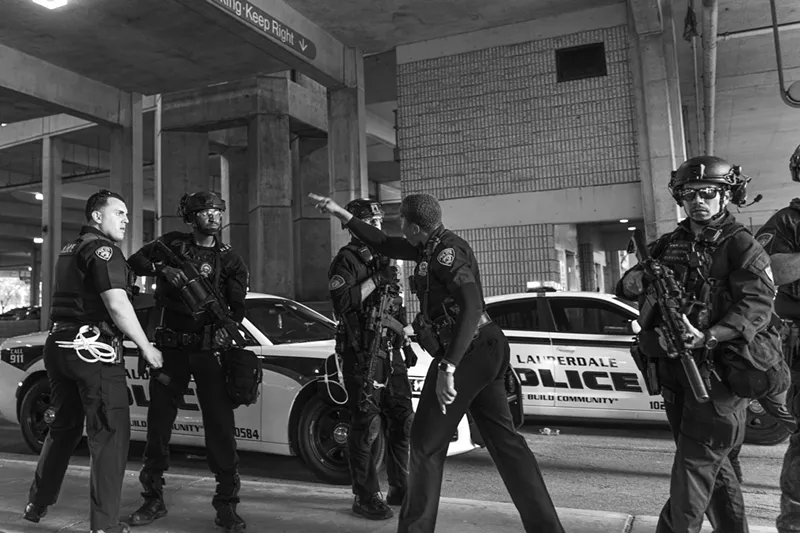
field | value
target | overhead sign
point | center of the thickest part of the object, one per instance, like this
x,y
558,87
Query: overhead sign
x,y
270,26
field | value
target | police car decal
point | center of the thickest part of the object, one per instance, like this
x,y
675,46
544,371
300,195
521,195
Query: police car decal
x,y
446,257
337,282
104,253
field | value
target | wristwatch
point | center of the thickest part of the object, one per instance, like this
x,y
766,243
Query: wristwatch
x,y
444,366
711,340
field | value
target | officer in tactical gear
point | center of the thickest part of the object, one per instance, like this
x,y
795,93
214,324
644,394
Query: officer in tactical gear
x,y
193,344
471,352
780,237
90,312
717,261
357,276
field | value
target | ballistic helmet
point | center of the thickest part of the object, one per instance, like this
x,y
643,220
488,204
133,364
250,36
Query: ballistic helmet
x,y
710,170
364,209
794,164
192,203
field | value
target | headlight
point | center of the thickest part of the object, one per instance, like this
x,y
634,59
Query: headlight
x,y
416,385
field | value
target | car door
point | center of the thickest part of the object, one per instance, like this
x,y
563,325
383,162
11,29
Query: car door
x,y
531,352
596,375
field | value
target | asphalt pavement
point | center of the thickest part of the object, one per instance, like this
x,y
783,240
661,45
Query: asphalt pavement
x,y
274,507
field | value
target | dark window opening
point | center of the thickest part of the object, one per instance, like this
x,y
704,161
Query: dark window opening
x,y
580,62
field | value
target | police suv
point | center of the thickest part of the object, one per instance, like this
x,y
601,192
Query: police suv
x,y
572,353
297,411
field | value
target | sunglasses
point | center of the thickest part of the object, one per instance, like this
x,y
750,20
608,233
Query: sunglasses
x,y
708,193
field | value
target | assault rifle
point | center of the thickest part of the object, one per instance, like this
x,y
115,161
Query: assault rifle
x,y
380,323
670,299
201,297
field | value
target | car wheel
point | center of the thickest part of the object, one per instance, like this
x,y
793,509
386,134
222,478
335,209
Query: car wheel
x,y
322,441
762,428
35,414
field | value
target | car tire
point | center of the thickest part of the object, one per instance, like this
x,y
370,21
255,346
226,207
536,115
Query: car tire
x,y
762,428
322,441
32,411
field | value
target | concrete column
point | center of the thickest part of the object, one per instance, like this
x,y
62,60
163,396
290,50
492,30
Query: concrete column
x,y
586,260
51,220
347,142
673,83
612,258
234,188
657,151
181,167
126,173
312,239
270,212
36,273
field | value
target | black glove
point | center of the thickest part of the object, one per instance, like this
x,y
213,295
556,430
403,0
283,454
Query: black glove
x,y
410,355
385,276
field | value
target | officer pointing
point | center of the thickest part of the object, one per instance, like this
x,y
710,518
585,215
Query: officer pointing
x,y
91,310
473,358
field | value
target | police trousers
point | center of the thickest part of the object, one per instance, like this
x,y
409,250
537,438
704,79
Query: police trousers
x,y
98,394
789,517
218,421
703,480
480,387
387,410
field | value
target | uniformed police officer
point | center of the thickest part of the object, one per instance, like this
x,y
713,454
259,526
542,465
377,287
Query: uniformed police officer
x,y
90,312
780,237
473,357
191,344
708,250
355,274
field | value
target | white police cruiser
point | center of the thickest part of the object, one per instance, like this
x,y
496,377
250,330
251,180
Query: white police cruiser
x,y
572,353
294,414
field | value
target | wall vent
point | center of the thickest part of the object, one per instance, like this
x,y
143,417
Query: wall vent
x,y
580,62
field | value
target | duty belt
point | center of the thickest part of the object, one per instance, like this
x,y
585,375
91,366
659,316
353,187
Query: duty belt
x,y
168,338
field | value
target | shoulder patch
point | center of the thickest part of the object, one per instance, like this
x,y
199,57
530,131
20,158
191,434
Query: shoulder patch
x,y
104,253
336,282
446,257
764,239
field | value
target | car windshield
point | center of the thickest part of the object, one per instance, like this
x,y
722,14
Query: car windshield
x,y
285,322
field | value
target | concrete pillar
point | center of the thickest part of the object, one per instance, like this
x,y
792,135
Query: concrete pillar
x,y
36,273
657,150
673,83
126,173
270,212
312,239
347,142
234,189
612,258
181,167
586,260
52,154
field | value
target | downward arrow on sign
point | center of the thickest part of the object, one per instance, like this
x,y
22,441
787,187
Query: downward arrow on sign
x,y
303,45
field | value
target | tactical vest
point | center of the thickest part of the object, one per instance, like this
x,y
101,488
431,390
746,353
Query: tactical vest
x,y
206,262
73,297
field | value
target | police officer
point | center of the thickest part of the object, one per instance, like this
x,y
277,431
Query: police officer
x,y
780,237
191,344
472,359
708,250
90,312
355,274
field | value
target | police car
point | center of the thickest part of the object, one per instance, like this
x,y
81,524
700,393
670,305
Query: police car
x,y
572,353
294,415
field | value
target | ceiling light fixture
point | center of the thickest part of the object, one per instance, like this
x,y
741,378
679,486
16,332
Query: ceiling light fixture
x,y
51,4
3,124
623,221
631,228
39,196
38,240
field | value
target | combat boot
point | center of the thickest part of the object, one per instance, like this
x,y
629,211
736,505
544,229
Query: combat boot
x,y
34,513
153,507
372,507
228,520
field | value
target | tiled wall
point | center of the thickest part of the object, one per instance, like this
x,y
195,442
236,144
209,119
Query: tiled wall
x,y
495,121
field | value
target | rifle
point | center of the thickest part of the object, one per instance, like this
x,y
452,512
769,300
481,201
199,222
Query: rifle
x,y
379,323
670,298
201,297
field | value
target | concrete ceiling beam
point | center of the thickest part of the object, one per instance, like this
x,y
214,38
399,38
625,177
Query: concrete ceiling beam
x,y
31,231
25,211
86,156
647,16
38,80
35,129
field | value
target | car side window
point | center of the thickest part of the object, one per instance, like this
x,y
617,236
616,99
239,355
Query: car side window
x,y
283,322
588,316
520,315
